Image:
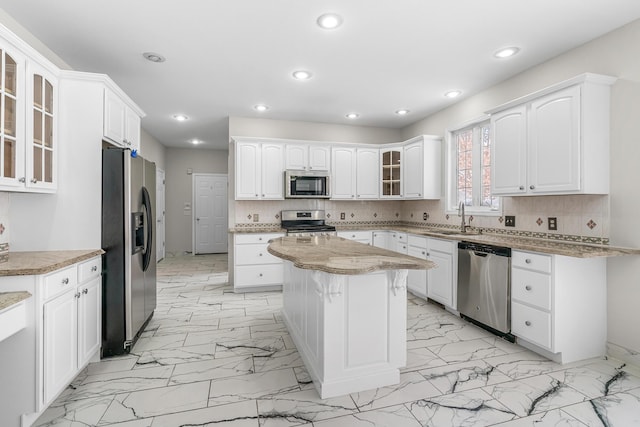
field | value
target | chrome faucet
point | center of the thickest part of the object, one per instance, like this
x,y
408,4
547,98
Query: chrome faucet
x,y
463,225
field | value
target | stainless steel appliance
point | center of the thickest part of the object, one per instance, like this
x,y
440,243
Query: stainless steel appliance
x,y
306,223
128,238
300,184
484,285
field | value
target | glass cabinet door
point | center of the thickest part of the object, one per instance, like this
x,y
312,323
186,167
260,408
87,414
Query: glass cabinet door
x,y
8,116
42,142
391,173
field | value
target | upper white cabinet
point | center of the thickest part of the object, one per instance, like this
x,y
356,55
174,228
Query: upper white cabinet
x,y
307,157
367,170
259,171
354,173
391,170
121,122
29,116
421,173
555,141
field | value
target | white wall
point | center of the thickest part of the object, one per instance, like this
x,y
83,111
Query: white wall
x,y
614,54
152,150
179,191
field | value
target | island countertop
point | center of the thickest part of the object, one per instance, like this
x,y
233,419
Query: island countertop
x,y
337,255
42,262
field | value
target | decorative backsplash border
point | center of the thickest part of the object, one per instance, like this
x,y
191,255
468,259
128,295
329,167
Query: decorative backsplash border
x,y
4,252
487,230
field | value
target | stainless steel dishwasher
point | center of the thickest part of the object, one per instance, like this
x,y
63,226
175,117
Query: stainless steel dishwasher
x,y
484,285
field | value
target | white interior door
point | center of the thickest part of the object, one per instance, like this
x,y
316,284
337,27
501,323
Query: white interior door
x,y
210,213
160,231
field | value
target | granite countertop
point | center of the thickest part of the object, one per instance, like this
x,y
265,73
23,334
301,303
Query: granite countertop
x,y
337,255
7,299
262,228
42,262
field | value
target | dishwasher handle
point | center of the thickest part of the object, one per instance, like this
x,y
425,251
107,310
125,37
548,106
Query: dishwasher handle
x,y
480,254
480,249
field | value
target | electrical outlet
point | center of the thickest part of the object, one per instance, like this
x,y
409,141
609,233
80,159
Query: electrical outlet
x,y
425,216
256,217
510,221
342,215
553,223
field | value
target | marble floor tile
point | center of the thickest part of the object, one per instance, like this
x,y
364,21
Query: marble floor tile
x,y
158,342
158,401
412,387
234,322
304,379
241,414
598,378
523,364
173,356
463,351
263,347
217,335
114,364
392,416
463,376
468,408
554,418
85,412
615,410
278,360
253,386
267,331
212,369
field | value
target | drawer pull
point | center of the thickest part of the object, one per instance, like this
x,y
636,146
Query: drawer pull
x,y
528,261
65,281
94,268
260,254
528,323
259,238
528,287
85,291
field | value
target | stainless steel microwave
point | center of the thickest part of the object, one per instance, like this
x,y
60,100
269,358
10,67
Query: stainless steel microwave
x,y
300,184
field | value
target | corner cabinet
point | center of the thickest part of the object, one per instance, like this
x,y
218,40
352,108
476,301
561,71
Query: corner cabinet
x,y
555,141
28,112
421,174
121,124
259,173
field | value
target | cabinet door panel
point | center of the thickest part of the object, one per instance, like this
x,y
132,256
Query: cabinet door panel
x,y
440,279
132,129
343,179
367,170
413,170
114,118
272,172
554,142
417,279
319,158
60,343
89,332
296,157
509,156
12,107
248,165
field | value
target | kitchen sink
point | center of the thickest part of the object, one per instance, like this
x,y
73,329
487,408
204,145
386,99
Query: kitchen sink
x,y
456,232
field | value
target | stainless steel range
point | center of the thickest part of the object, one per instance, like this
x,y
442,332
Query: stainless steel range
x,y
306,223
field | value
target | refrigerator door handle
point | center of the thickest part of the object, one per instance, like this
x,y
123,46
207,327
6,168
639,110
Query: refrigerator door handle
x,y
148,223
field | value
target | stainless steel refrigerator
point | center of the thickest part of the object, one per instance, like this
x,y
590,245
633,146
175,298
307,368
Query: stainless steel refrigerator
x,y
128,238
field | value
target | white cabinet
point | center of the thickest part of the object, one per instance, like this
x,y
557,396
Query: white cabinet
x,y
121,122
384,240
555,141
354,173
421,172
255,269
259,171
361,236
307,157
558,305
442,280
417,279
391,173
89,325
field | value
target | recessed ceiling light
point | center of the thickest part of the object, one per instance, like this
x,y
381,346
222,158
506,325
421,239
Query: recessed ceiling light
x,y
196,141
506,52
180,117
261,107
402,112
453,94
329,21
352,116
302,75
154,57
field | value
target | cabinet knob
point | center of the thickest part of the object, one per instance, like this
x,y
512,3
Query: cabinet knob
x,y
65,281
353,195
527,323
353,236
33,180
419,195
532,187
256,195
263,195
260,254
259,238
94,268
23,179
260,275
528,261
85,291
423,253
521,187
528,287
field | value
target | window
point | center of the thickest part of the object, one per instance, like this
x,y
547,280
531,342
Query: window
x,y
470,169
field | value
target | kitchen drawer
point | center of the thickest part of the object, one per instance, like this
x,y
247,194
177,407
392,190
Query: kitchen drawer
x,y
258,275
417,252
254,254
531,287
531,324
531,261
418,241
446,246
89,269
254,238
59,281
360,236
402,237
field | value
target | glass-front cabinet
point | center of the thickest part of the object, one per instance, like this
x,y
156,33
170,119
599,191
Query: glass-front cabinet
x,y
12,119
41,132
390,162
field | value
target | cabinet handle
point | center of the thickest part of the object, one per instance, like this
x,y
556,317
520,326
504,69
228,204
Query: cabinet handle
x,y
528,287
85,291
528,261
263,195
428,254
260,238
260,275
423,253
419,195
353,195
532,187
65,281
94,268
527,323
78,294
33,180
353,236
260,254
521,187
23,179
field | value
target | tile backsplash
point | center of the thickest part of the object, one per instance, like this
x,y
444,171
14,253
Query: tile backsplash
x,y
577,215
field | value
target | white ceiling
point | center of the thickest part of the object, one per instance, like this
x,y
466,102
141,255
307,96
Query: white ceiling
x,y
225,56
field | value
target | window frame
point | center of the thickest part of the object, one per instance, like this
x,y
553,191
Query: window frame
x,y
452,171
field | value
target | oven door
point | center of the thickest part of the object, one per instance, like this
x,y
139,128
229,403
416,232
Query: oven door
x,y
307,186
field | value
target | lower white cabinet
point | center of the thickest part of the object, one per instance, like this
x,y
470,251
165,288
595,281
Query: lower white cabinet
x,y
361,236
442,280
254,268
558,305
384,239
417,279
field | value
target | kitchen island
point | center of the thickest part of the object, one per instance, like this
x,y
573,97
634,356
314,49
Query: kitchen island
x,y
344,304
